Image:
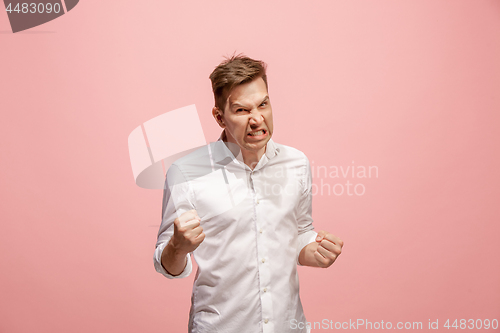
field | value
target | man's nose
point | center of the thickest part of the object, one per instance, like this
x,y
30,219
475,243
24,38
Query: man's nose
x,y
256,118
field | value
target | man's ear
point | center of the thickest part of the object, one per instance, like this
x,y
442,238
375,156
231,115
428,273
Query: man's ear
x,y
219,117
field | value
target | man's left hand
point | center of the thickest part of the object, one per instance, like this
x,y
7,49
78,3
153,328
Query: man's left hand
x,y
329,248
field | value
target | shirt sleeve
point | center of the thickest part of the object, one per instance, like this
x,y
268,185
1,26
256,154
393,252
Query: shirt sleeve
x,y
177,199
306,233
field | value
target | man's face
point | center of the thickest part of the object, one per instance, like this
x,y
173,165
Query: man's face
x,y
248,117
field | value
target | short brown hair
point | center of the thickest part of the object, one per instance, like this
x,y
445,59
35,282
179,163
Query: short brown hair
x,y
236,70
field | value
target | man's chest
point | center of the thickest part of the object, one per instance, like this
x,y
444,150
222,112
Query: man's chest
x,y
237,193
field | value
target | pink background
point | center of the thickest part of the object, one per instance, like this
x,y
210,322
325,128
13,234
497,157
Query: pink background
x,y
411,87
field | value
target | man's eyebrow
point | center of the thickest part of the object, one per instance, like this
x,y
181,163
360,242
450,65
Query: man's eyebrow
x,y
237,105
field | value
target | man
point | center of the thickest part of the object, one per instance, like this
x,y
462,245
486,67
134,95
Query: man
x,y
242,206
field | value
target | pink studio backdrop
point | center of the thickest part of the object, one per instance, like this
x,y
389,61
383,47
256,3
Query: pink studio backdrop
x,y
410,87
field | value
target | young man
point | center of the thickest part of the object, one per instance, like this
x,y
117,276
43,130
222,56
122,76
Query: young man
x,y
242,206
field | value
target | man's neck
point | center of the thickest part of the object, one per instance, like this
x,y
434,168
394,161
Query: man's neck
x,y
250,158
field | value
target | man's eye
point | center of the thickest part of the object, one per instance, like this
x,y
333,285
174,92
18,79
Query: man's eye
x,y
239,110
263,104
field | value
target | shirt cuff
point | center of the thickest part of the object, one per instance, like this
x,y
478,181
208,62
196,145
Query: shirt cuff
x,y
160,269
305,239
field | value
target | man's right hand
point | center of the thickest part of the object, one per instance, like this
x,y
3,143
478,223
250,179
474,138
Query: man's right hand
x,y
188,234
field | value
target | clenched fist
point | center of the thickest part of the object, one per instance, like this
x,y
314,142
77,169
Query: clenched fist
x,y
323,252
329,248
188,235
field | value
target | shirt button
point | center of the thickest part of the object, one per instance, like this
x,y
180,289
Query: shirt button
x,y
263,260
265,289
266,321
261,230
258,201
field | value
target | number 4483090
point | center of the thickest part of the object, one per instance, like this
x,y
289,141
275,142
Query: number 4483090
x,y
472,324
40,8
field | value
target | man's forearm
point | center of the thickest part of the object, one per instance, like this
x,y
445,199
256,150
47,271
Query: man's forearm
x,y
173,260
306,256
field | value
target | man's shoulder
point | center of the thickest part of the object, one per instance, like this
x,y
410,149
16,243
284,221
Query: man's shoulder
x,y
290,152
199,156
190,166
202,161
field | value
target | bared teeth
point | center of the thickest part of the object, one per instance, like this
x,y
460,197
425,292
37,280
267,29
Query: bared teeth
x,y
257,133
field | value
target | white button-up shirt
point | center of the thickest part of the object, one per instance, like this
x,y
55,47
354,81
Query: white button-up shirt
x,y
256,222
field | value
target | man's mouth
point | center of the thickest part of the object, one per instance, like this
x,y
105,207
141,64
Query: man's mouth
x,y
257,133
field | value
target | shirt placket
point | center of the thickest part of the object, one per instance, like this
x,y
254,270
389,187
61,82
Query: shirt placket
x,y
264,261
